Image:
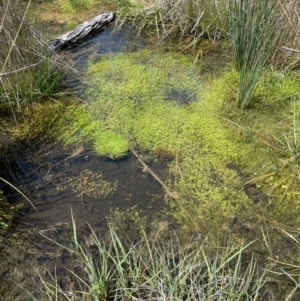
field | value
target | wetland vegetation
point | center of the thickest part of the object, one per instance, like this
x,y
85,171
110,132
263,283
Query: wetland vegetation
x,y
216,102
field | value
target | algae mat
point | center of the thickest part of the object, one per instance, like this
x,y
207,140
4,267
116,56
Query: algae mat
x,y
157,103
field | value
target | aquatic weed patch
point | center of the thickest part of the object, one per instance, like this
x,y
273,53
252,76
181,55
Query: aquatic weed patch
x,y
91,184
270,134
129,101
134,98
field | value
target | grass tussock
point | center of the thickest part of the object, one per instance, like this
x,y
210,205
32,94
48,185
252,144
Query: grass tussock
x,y
270,136
283,174
151,269
27,64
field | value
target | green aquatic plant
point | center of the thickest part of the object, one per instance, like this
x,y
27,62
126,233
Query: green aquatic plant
x,y
75,126
284,174
135,102
154,102
8,211
5,215
270,134
110,144
89,183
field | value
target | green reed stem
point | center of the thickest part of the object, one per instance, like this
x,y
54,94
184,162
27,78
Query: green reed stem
x,y
254,38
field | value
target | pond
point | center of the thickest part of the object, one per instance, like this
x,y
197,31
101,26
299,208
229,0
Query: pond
x,y
144,142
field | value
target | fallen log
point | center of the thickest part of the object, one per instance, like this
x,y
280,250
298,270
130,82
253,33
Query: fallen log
x,y
82,31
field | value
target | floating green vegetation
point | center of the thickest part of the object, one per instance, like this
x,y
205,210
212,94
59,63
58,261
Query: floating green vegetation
x,y
156,102
111,144
37,118
91,184
137,100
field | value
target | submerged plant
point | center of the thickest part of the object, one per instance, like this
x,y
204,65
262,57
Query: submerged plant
x,y
254,39
91,184
7,211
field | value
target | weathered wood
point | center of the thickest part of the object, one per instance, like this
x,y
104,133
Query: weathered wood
x,y
82,31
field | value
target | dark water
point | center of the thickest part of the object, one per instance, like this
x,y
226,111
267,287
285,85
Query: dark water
x,y
108,41
44,172
42,169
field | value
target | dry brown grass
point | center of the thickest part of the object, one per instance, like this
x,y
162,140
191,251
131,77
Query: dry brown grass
x,y
26,64
210,19
288,50
197,18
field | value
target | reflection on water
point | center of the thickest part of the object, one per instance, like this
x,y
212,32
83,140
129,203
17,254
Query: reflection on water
x,y
108,41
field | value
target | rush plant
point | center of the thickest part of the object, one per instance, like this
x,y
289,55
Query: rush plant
x,y
254,36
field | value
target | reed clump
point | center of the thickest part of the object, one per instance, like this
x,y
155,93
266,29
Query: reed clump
x,y
287,54
196,18
262,34
26,63
254,36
